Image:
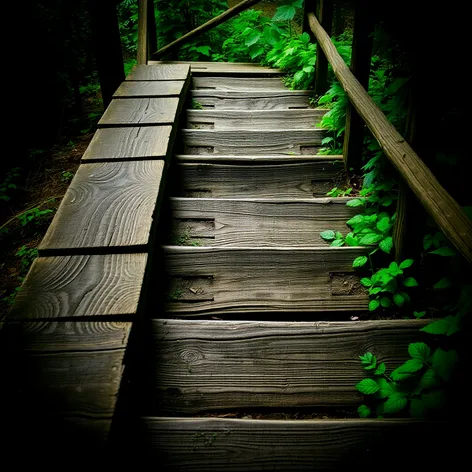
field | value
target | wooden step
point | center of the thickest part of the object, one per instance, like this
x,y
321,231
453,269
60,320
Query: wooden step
x,y
210,281
247,180
207,141
209,365
256,222
237,83
240,445
254,119
252,100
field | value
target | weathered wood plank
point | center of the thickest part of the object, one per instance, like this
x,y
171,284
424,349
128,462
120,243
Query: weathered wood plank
x,y
272,364
47,336
216,444
207,281
237,83
76,286
254,119
107,205
253,100
148,89
296,141
300,180
129,143
143,47
216,68
257,222
324,161
169,71
446,212
140,112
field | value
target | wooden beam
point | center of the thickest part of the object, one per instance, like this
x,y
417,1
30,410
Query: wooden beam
x,y
228,14
152,31
143,31
325,14
447,213
360,67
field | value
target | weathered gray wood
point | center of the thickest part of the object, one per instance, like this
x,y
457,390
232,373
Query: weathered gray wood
x,y
143,12
129,143
446,212
169,71
253,280
325,162
246,180
147,89
216,444
297,141
237,83
257,222
75,286
224,68
254,119
107,206
253,100
45,336
271,364
140,112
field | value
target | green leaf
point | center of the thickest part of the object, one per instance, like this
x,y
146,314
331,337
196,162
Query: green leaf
x,y
366,282
284,13
420,351
429,379
368,359
364,411
448,325
443,363
434,399
445,282
370,238
373,305
383,224
384,388
351,240
255,51
253,39
386,244
205,50
385,302
419,314
445,251
406,369
359,261
395,403
410,282
417,408
380,369
398,300
356,202
355,220
337,243
406,263
328,235
367,386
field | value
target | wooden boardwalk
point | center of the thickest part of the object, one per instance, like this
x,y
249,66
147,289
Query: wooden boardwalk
x,y
196,252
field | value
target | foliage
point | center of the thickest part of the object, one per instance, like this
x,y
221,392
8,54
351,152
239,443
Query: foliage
x,y
336,192
66,176
34,215
8,184
27,256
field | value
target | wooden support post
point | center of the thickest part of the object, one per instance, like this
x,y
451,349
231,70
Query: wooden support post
x,y
152,31
309,6
325,17
107,43
360,66
143,31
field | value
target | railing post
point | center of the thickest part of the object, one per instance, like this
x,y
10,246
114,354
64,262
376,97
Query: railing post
x,y
325,17
152,31
309,6
143,31
107,44
360,66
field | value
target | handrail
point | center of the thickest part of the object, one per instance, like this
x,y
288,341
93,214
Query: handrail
x,y
445,211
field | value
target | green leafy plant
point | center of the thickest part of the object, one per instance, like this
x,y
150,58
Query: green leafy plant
x,y
34,215
336,192
8,185
196,105
66,176
27,255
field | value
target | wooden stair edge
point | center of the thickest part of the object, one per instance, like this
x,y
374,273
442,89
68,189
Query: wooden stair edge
x,y
289,159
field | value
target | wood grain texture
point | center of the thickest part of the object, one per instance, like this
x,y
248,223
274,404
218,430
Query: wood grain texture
x,y
165,88
107,205
129,143
250,280
77,286
252,142
300,180
140,112
323,161
446,212
255,119
259,222
216,444
237,83
143,12
225,68
47,336
253,100
169,71
271,364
